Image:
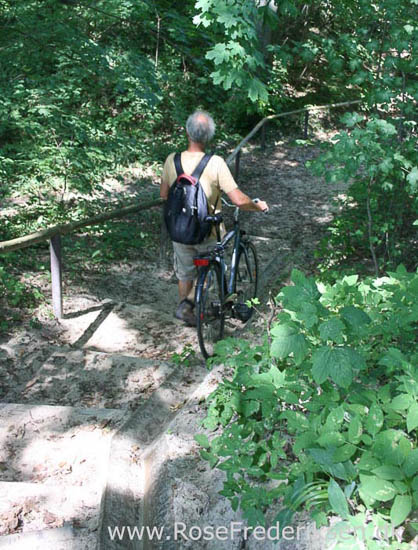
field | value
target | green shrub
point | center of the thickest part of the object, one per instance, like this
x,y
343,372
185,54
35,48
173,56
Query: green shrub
x,y
324,414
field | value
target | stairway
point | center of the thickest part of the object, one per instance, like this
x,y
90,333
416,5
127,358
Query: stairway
x,y
75,422
97,422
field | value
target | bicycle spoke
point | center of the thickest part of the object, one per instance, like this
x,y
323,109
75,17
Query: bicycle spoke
x,y
247,274
209,308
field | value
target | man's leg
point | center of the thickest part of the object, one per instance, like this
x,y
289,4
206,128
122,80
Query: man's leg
x,y
185,308
185,290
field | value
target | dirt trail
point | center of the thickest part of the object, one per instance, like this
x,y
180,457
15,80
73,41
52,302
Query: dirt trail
x,y
97,420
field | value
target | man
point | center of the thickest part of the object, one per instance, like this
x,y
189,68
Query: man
x,y
216,178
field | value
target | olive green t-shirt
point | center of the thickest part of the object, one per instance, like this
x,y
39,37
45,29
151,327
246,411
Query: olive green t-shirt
x,y
215,178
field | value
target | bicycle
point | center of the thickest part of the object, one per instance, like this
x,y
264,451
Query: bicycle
x,y
218,297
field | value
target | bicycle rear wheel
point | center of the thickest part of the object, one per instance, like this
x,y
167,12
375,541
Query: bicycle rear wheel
x,y
210,315
246,283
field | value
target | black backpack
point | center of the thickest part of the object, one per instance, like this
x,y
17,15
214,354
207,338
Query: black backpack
x,y
187,207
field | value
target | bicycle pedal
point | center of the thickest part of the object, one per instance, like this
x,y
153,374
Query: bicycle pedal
x,y
242,312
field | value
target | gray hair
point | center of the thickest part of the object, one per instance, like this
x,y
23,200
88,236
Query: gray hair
x,y
200,127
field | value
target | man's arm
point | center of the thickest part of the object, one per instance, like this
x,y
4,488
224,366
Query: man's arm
x,y
244,202
164,189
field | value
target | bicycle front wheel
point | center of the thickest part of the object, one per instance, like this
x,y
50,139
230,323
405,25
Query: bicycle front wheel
x,y
246,284
210,315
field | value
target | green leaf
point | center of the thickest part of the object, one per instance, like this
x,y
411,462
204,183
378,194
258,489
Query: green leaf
x,y
351,119
350,280
410,466
412,178
388,472
374,419
296,420
367,462
287,340
393,358
321,365
304,441
355,430
337,499
254,516
273,376
332,329
257,90
344,453
203,440
298,277
388,447
401,402
288,396
331,439
211,458
335,417
355,316
324,457
336,363
401,508
376,489
412,417
250,407
308,315
262,392
304,292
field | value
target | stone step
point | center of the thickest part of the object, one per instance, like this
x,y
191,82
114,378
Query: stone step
x,y
143,330
123,499
63,538
31,507
72,377
53,465
20,359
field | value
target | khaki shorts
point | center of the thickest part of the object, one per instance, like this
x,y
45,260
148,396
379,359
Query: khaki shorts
x,y
183,258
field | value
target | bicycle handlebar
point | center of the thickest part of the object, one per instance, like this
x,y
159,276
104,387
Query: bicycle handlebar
x,y
226,203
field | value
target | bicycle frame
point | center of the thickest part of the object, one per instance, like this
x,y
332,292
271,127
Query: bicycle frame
x,y
217,254
235,233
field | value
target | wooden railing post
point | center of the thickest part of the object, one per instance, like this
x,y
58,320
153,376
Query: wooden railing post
x,y
263,136
237,160
305,128
56,274
164,243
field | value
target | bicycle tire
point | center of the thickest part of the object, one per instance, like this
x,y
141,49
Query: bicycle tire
x,y
210,315
246,280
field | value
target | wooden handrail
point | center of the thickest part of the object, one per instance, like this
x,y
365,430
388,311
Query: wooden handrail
x,y
260,124
45,234
54,233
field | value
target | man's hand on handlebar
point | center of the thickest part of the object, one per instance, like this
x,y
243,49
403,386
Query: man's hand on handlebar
x,y
243,201
261,205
